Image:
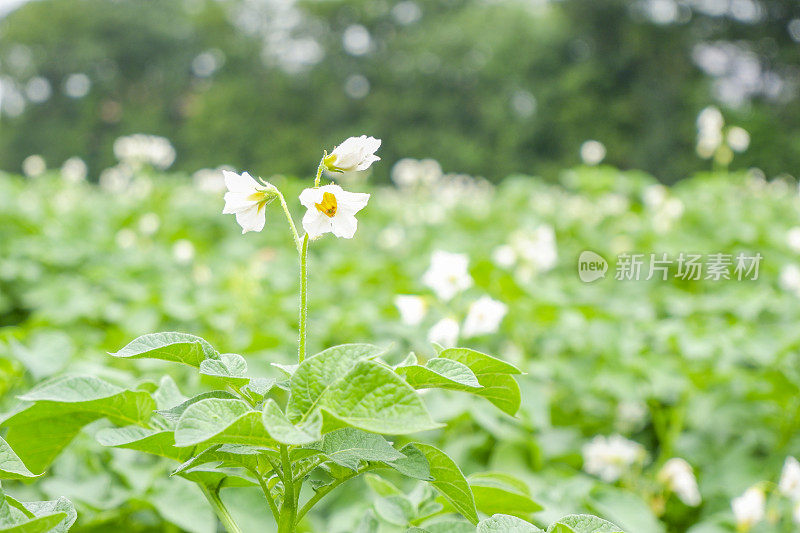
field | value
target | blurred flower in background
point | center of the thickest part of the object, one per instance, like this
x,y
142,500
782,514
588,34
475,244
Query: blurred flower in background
x,y
610,458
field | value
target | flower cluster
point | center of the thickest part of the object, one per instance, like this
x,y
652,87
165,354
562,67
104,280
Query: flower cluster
x,y
751,507
140,149
329,209
610,458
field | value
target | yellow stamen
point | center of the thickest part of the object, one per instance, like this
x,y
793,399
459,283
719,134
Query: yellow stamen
x,y
328,204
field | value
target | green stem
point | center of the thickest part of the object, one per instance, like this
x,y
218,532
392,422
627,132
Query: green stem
x,y
289,506
289,219
322,492
301,342
268,496
319,170
221,511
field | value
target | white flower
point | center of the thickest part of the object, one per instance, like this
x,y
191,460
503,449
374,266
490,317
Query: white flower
x,y
537,248
793,238
140,149
411,172
444,333
504,256
448,274
412,308
355,153
609,457
74,170
789,279
246,199
789,484
484,317
34,166
183,251
332,209
748,509
738,139
677,475
593,152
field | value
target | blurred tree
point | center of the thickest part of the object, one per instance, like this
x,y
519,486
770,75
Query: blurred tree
x,y
486,88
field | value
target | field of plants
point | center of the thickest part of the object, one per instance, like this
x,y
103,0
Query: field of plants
x,y
659,405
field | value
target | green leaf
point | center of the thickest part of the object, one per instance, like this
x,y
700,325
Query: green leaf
x,y
381,486
282,430
318,373
440,373
397,510
167,394
368,524
47,509
173,414
450,527
414,464
53,413
347,447
449,481
583,523
497,493
502,390
182,504
500,523
373,398
480,363
229,369
258,388
218,420
226,455
11,466
156,442
169,346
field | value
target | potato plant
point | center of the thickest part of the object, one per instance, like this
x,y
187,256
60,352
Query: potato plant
x,y
300,437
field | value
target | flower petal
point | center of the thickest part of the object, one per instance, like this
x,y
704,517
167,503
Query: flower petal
x,y
344,226
351,203
239,183
251,219
236,202
315,223
311,196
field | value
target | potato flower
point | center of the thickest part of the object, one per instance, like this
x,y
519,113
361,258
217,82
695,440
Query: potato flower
x,y
246,198
412,308
484,317
331,209
749,508
677,475
444,332
354,154
789,484
448,274
610,457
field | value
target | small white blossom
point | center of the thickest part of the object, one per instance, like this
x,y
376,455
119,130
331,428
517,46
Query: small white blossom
x,y
748,509
504,256
246,198
484,317
610,457
412,308
74,170
331,209
789,279
183,251
738,139
354,154
448,274
789,484
793,238
412,172
593,152
34,166
678,477
139,149
445,333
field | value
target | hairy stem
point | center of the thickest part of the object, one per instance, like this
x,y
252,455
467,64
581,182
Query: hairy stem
x,y
221,511
322,492
268,495
289,506
301,342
